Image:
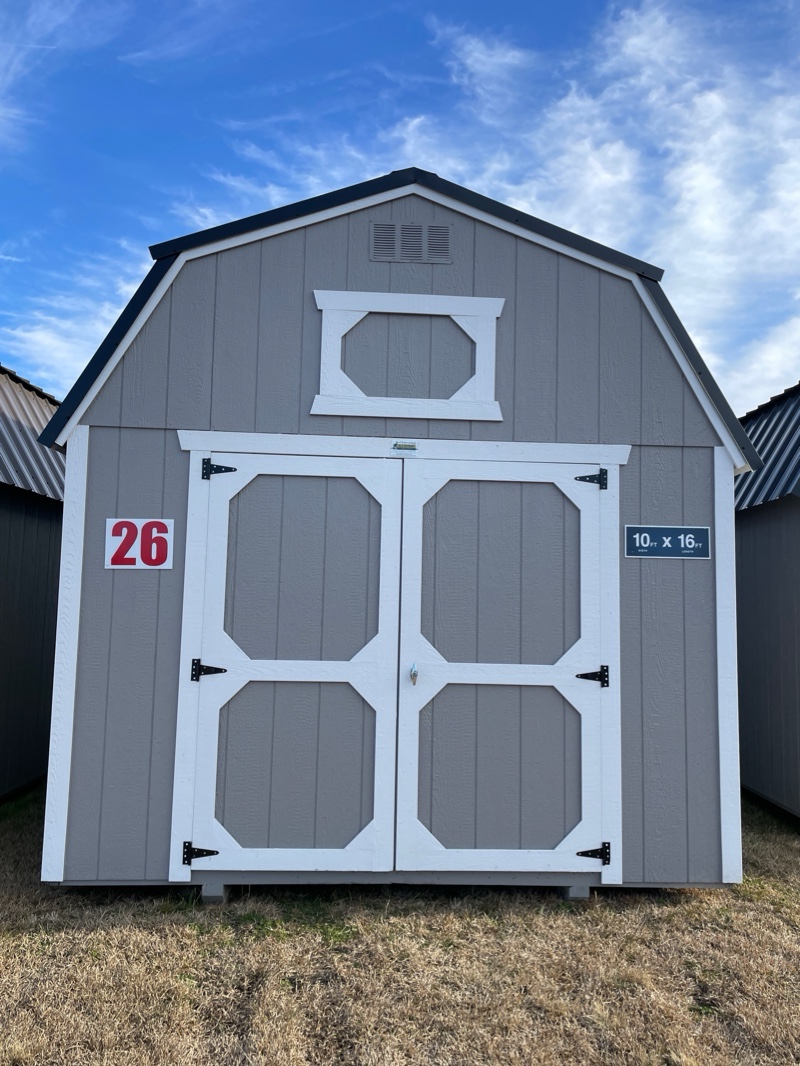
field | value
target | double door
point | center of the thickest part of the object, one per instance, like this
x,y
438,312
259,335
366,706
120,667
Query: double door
x,y
388,654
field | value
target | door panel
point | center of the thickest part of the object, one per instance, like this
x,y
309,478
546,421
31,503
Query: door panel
x,y
499,743
296,740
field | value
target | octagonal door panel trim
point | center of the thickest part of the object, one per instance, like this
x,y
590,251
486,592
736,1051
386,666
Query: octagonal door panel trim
x,y
371,671
480,530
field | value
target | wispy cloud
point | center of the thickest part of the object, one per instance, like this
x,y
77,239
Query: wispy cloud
x,y
660,137
60,328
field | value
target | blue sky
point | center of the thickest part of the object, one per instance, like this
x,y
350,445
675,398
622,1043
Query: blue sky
x,y
668,130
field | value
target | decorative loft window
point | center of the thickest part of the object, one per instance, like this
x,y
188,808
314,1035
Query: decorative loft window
x,y
476,320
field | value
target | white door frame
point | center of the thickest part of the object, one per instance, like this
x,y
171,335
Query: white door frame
x,y
201,444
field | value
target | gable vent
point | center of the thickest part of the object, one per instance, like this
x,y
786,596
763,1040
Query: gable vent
x,y
409,242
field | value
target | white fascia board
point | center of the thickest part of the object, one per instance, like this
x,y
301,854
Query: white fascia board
x,y
66,657
210,441
727,685
738,457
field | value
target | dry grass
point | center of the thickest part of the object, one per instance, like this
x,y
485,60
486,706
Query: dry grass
x,y
384,977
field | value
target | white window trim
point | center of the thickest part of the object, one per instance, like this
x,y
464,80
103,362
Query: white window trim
x,y
66,657
339,395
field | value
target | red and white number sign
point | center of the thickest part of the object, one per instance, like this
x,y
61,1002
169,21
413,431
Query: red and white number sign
x,y
139,543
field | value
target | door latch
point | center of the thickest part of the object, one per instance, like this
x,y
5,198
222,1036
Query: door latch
x,y
414,673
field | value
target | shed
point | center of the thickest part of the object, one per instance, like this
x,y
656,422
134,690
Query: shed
x,y
398,548
31,495
768,596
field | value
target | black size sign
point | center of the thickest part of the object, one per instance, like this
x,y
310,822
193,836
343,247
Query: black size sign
x,y
668,542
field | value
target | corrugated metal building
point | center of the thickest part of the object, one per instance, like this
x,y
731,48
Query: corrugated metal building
x,y
249,685
768,595
31,495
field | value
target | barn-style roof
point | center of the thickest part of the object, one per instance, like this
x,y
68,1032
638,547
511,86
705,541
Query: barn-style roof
x,y
166,253
24,412
774,429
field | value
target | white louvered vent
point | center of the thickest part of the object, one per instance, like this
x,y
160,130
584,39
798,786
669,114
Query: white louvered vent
x,y
409,242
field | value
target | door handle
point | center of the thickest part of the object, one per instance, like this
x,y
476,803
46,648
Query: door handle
x,y
414,673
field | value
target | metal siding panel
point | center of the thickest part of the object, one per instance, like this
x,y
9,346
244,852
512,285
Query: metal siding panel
x,y
620,360
145,371
662,390
278,399
663,673
236,323
496,275
700,652
131,669
536,344
578,400
325,268
86,794
632,681
191,346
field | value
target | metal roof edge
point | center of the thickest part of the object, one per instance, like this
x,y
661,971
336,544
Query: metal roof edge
x,y
706,378
388,183
28,385
94,367
762,407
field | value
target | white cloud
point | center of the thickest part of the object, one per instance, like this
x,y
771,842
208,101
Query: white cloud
x,y
60,329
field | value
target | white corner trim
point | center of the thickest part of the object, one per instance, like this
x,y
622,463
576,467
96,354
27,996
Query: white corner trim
x,y
209,441
727,687
120,350
738,457
66,656
611,636
475,315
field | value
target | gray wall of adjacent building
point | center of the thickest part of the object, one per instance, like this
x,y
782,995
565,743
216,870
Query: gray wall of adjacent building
x,y
235,345
768,613
30,542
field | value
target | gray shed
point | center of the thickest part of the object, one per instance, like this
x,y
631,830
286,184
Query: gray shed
x,y
31,494
398,548
768,595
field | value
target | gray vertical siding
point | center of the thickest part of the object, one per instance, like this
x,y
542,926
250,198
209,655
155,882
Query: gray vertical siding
x,y
768,602
579,360
30,541
127,688
296,765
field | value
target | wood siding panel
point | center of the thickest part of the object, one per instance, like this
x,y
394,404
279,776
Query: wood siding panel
x,y
30,538
620,360
236,328
145,373
577,402
191,348
280,341
536,344
126,692
495,275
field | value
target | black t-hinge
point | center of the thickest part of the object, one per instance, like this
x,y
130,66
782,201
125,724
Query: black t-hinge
x,y
210,468
600,675
603,853
190,853
600,478
199,668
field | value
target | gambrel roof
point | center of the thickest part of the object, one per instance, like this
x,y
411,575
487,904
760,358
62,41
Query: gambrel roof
x,y
774,428
172,253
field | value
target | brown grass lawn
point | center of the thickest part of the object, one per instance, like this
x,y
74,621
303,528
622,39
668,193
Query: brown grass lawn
x,y
390,976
